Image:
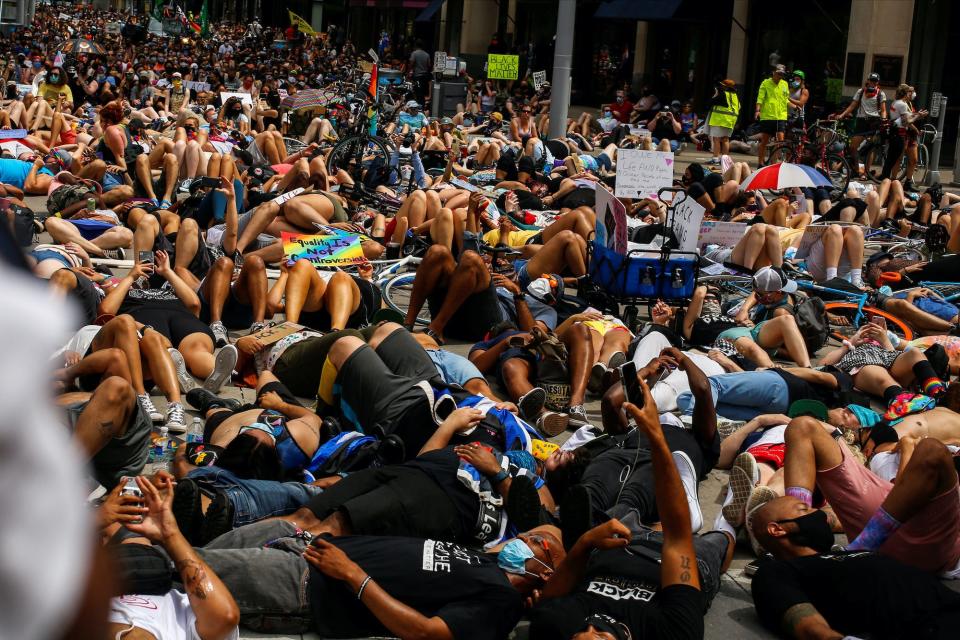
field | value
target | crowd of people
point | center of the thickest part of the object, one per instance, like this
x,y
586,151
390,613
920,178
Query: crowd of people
x,y
375,481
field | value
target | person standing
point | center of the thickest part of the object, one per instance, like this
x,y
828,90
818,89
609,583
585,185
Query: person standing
x,y
420,71
724,110
870,103
799,94
772,100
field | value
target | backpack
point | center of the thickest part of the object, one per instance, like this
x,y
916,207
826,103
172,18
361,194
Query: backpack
x,y
811,316
23,224
553,374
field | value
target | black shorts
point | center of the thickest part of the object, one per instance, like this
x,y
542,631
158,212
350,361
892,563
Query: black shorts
x,y
475,317
175,324
772,127
396,500
234,315
369,305
300,366
866,127
833,214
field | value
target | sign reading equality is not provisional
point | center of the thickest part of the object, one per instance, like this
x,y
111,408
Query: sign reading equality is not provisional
x,y
503,66
323,250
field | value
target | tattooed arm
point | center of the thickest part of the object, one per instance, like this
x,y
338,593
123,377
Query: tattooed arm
x,y
678,564
217,612
804,621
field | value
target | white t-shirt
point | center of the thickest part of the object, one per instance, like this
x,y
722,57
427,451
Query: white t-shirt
x,y
166,617
898,109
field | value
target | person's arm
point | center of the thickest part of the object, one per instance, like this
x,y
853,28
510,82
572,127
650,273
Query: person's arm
x,y
213,605
569,574
761,98
486,359
525,321
854,104
114,298
400,619
704,412
461,419
743,315
676,124
575,318
231,219
30,182
272,400
184,291
678,561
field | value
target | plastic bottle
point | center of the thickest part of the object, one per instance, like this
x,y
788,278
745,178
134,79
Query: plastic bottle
x,y
195,432
158,447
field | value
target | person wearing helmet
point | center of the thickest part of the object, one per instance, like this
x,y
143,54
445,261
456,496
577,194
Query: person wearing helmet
x,y
799,94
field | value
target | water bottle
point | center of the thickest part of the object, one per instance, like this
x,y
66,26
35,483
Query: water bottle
x,y
195,433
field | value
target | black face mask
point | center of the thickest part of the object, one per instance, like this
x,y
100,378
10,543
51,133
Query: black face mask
x,y
813,530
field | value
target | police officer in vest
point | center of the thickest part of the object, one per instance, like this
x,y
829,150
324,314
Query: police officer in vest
x,y
724,109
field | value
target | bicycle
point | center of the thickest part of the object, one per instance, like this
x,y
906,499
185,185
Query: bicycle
x,y
801,149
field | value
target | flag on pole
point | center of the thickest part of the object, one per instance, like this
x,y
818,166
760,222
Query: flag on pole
x,y
372,89
302,25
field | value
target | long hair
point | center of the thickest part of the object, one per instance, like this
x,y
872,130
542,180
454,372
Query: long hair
x,y
249,458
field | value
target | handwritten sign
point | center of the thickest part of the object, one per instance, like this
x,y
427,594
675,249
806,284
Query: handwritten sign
x,y
322,250
641,174
687,216
725,234
439,61
196,86
25,90
539,78
611,225
502,66
289,195
277,332
811,235
245,98
13,134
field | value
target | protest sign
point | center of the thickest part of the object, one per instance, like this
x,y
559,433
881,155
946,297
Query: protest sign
x,y
687,216
25,90
725,234
277,332
439,61
289,195
322,250
13,134
539,77
245,98
811,234
640,174
611,227
502,66
196,86
113,28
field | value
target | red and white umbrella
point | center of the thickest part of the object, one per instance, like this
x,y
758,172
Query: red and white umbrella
x,y
784,175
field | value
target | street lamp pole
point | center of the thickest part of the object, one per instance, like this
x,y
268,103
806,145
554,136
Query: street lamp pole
x,y
562,61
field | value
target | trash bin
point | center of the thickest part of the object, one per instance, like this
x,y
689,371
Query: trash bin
x,y
446,96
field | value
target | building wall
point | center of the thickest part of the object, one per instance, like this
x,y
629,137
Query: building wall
x,y
479,23
880,27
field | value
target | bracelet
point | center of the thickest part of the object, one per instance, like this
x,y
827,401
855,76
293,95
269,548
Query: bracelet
x,y
500,477
363,585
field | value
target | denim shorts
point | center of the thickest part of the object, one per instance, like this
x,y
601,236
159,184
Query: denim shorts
x,y
453,368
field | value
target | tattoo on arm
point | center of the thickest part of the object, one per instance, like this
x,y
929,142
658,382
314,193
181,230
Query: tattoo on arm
x,y
797,614
685,564
195,578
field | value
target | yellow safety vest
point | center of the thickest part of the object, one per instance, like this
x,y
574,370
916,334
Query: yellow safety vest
x,y
725,116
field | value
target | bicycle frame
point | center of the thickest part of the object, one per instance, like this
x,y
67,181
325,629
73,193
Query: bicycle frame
x,y
859,299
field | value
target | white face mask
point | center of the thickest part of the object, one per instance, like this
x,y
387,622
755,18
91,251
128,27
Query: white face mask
x,y
913,95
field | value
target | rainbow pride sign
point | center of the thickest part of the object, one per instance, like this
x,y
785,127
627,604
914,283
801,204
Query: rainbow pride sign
x,y
323,250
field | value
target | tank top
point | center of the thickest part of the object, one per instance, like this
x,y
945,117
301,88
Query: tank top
x,y
796,113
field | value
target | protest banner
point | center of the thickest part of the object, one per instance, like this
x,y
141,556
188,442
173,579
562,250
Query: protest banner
x,y
539,78
322,250
687,216
502,66
439,61
611,227
196,86
724,234
245,98
641,174
13,134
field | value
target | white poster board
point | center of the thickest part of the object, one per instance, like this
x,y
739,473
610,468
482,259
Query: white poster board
x,y
725,234
611,225
641,174
811,234
439,61
539,77
687,216
245,98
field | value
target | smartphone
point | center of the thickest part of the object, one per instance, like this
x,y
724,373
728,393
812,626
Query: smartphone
x,y
145,257
130,488
880,321
207,182
631,386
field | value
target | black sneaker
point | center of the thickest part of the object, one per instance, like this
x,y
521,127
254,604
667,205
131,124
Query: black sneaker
x,y
576,515
219,518
531,403
202,400
523,504
186,509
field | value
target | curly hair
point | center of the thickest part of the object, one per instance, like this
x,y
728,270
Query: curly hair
x,y
111,114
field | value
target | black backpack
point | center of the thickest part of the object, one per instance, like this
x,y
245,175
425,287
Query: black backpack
x,y
811,315
23,227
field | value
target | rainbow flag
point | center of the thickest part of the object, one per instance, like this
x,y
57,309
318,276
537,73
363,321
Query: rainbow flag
x,y
373,89
322,250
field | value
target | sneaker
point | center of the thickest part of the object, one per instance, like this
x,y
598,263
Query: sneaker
x,y
577,416
220,336
187,509
222,369
552,423
202,400
257,327
688,476
713,161
183,376
759,497
598,374
726,427
744,476
617,359
531,403
218,519
149,408
176,421
115,254
523,504
576,515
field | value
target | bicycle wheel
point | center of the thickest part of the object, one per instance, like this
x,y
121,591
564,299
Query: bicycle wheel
x,y
781,152
923,164
842,316
837,170
396,293
352,151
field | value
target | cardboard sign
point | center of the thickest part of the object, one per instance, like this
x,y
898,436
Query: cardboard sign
x,y
611,228
725,234
322,250
439,61
502,66
641,174
687,216
811,235
277,332
539,77
245,98
196,86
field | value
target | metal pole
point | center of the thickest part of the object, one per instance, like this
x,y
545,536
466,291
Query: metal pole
x,y
933,175
562,57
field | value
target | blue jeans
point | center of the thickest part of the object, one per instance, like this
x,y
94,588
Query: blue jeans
x,y
254,500
419,173
674,144
744,396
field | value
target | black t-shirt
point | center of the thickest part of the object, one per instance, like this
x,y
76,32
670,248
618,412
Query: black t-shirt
x,y
625,585
707,328
141,299
859,593
463,587
442,466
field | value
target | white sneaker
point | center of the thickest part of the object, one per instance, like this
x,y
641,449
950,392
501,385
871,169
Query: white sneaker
x,y
222,369
149,408
220,336
183,376
688,476
176,420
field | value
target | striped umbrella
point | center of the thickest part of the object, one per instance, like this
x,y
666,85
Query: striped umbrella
x,y
308,99
784,175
